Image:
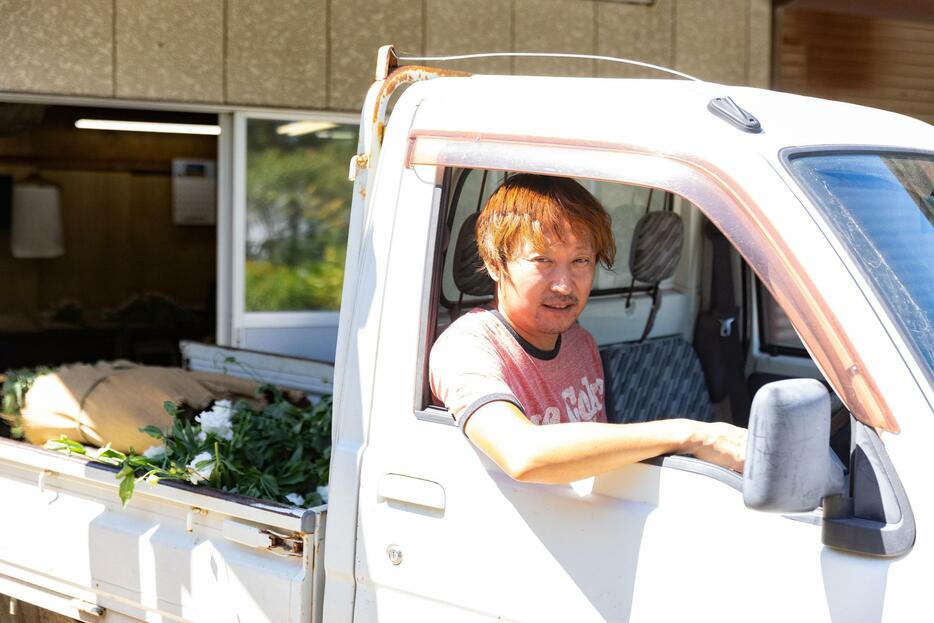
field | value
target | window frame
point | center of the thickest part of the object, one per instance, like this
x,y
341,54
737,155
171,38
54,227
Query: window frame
x,y
450,181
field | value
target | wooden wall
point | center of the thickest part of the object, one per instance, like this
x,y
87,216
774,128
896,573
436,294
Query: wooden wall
x,y
878,62
117,210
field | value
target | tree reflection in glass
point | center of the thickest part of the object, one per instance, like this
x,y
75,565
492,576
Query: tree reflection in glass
x,y
298,208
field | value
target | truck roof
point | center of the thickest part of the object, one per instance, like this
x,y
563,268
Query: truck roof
x,y
660,114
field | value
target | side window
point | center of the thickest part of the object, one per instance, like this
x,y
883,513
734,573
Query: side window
x,y
612,317
291,209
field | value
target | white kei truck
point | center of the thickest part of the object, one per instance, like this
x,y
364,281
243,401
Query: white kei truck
x,y
826,212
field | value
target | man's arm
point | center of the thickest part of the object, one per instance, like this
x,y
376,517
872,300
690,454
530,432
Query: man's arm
x,y
559,453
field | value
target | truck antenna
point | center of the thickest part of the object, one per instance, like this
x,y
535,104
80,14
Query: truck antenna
x,y
611,59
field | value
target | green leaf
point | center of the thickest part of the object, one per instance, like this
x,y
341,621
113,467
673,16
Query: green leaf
x,y
153,431
137,461
170,407
109,453
64,444
126,488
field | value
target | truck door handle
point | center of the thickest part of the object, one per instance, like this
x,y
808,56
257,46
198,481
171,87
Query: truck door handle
x,y
411,490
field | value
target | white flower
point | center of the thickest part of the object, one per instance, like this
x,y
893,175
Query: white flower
x,y
295,499
323,492
152,479
217,421
201,436
201,472
155,453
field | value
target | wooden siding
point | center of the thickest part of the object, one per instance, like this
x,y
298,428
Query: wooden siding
x,y
883,63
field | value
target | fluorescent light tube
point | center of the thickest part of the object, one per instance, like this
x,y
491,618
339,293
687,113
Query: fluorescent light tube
x,y
147,126
298,128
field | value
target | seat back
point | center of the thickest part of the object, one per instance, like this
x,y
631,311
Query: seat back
x,y
656,246
654,380
470,275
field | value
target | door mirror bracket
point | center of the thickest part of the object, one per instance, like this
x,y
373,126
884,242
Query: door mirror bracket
x,y
875,516
790,468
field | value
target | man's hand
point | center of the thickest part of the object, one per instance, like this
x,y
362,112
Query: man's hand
x,y
719,443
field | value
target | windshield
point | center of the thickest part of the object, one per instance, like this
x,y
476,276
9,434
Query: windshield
x,y
882,207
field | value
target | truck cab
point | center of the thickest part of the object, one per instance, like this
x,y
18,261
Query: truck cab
x,y
827,210
769,246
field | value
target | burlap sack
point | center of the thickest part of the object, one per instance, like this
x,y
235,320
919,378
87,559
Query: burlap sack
x,y
110,401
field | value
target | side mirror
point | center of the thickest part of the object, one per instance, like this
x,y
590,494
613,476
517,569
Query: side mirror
x,y
790,467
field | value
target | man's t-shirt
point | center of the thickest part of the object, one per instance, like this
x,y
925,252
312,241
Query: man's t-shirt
x,y
481,359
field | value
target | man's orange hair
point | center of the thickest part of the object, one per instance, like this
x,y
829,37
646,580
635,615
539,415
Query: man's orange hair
x,y
533,207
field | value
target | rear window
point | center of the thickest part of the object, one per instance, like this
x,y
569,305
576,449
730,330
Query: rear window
x,y
625,205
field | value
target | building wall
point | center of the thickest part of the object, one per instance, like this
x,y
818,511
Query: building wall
x,y
320,54
874,61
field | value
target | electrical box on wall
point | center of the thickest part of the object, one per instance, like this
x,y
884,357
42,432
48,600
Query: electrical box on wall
x,y
37,224
194,191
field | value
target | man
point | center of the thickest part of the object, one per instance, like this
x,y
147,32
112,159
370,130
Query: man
x,y
523,379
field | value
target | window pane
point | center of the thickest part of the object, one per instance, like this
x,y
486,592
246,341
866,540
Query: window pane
x,y
777,330
625,205
298,208
882,206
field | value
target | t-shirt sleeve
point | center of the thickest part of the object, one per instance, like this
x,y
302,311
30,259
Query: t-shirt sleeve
x,y
466,373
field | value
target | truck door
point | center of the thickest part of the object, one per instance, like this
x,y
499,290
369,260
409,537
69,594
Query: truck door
x,y
444,534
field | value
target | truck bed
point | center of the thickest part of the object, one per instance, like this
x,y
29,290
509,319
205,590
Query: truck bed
x,y
176,552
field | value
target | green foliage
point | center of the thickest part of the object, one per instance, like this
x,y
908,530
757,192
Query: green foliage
x,y
281,449
15,385
271,287
291,454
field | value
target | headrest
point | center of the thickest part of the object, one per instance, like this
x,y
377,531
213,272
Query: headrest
x,y
470,275
656,246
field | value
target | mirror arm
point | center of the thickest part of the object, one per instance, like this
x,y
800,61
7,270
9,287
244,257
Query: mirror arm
x,y
875,518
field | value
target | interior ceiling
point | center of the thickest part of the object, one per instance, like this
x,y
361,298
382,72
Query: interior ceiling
x,y
918,10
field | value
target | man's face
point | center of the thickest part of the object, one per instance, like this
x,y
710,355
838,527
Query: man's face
x,y
545,290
